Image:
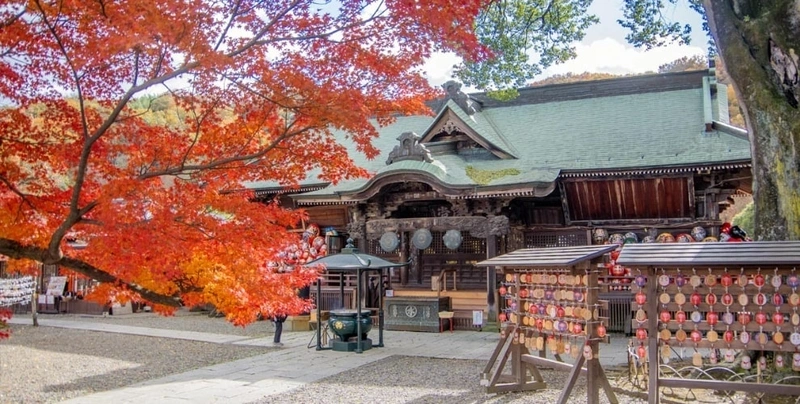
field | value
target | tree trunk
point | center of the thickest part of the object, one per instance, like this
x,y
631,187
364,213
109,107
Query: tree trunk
x,y
758,43
35,301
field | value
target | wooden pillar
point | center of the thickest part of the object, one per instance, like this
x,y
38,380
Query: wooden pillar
x,y
652,335
403,258
592,370
491,280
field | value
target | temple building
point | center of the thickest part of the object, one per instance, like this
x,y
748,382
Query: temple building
x,y
480,177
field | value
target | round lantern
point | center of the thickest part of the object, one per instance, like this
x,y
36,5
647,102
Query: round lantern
x,y
422,239
389,241
452,239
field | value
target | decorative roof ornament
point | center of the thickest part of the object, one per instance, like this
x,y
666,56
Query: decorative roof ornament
x,y
409,149
454,92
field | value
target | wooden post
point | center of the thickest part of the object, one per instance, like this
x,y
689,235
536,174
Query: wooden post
x,y
592,387
380,307
652,335
319,314
358,310
35,299
491,280
403,258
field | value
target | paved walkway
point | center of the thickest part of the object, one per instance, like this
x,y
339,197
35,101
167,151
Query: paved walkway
x,y
253,378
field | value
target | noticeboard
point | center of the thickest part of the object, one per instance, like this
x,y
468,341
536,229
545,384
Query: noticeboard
x,y
56,285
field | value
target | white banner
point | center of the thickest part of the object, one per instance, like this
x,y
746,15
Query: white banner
x,y
16,291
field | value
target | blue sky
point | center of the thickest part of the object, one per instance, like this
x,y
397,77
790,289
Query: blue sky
x,y
604,49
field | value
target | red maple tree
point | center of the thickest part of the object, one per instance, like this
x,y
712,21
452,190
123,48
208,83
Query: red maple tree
x,y
257,87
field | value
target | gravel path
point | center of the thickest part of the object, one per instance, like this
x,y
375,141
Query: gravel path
x,y
47,364
183,320
405,379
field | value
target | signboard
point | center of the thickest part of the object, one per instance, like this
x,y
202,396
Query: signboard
x,y
477,318
56,285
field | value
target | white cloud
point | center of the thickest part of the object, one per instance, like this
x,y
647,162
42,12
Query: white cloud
x,y
439,67
611,56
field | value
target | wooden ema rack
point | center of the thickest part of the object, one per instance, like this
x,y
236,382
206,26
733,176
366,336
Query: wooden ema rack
x,y
552,303
737,296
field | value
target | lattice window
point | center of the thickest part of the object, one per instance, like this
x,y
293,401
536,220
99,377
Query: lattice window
x,y
544,239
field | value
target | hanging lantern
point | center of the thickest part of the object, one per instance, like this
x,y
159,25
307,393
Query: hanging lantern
x,y
422,239
452,239
389,241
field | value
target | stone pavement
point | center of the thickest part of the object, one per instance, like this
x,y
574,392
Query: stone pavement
x,y
250,379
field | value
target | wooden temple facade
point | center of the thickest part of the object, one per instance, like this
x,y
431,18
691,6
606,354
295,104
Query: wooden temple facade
x,y
479,177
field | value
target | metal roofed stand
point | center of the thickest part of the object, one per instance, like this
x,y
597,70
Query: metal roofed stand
x,y
351,260
762,275
762,253
536,277
548,257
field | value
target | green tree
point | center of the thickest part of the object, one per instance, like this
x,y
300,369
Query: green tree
x,y
684,64
572,78
744,219
756,41
512,28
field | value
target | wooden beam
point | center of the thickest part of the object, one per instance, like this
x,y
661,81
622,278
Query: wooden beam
x,y
501,346
545,362
505,388
601,377
577,369
781,389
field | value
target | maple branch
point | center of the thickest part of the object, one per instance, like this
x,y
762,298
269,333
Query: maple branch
x,y
74,71
17,250
234,14
13,19
17,191
255,39
228,160
135,66
74,216
323,35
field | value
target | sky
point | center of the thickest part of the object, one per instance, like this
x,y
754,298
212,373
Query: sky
x,y
604,49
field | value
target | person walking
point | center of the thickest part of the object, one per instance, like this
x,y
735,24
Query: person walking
x,y
278,320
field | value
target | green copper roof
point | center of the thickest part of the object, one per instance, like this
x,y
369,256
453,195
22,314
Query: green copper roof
x,y
480,123
618,124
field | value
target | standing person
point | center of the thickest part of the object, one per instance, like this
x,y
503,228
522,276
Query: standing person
x,y
278,320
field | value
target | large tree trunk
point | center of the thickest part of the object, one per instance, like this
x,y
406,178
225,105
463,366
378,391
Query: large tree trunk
x,y
759,44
